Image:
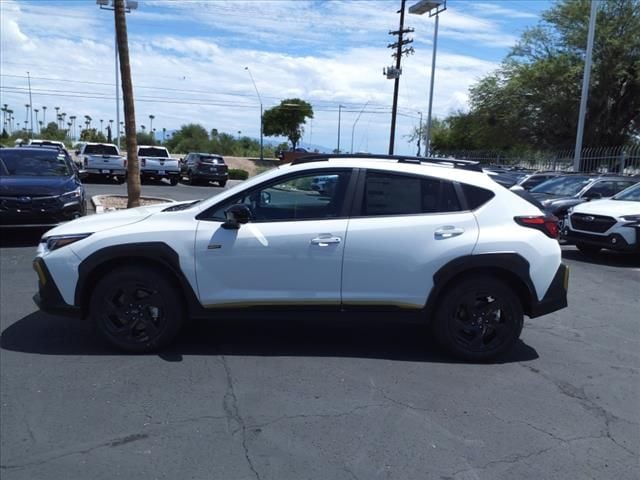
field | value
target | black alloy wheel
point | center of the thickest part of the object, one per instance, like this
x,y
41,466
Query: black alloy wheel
x,y
137,309
479,319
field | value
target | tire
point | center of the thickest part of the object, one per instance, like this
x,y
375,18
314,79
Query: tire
x,y
589,250
222,183
136,309
173,181
189,179
478,319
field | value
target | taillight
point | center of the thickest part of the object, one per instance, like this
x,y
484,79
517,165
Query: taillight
x,y
547,224
125,163
143,162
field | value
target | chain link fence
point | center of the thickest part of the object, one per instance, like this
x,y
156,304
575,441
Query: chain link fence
x,y
625,160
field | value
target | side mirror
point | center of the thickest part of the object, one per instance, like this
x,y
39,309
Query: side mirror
x,y
77,152
236,215
265,198
592,195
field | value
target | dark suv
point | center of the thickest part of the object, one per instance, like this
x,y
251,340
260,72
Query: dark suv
x,y
39,187
204,167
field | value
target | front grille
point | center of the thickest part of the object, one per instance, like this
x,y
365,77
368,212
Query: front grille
x,y
592,223
25,203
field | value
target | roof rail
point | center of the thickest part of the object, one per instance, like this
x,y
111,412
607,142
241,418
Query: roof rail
x,y
452,162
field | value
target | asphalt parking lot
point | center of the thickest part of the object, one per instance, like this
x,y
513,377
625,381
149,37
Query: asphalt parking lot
x,y
321,400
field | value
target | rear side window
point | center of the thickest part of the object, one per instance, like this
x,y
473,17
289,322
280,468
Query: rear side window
x,y
390,194
476,196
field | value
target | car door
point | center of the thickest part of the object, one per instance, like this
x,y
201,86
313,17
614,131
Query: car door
x,y
290,252
406,228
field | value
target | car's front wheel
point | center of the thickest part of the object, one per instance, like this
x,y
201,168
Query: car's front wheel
x,y
137,309
478,319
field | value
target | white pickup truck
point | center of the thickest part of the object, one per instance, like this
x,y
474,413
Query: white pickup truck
x,y
156,163
102,160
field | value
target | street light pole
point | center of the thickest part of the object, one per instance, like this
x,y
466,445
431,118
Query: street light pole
x,y
339,118
260,100
353,128
110,5
585,86
420,8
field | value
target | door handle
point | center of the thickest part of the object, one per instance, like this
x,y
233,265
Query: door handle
x,y
448,231
325,241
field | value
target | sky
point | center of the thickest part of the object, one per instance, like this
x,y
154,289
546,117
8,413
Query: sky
x,y
188,61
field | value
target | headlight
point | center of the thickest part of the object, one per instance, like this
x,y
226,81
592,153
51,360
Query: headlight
x,y
58,241
631,218
71,197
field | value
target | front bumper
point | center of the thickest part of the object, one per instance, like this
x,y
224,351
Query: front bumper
x,y
48,299
556,296
613,241
34,216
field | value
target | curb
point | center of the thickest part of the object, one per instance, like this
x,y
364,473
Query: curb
x,y
100,208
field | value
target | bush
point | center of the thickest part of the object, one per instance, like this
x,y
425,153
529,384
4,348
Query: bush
x,y
238,174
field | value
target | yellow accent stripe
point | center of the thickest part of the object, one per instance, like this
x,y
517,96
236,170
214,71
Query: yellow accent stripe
x,y
41,276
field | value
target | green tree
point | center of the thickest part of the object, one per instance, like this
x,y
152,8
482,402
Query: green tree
x,y
287,119
533,98
190,138
53,132
92,135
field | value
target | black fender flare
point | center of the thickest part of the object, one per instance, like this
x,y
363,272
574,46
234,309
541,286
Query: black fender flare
x,y
511,267
151,253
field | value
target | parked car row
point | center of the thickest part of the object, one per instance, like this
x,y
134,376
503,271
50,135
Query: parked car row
x,y
104,161
594,211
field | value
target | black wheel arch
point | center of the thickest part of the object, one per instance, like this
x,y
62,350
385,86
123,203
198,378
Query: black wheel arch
x,y
511,268
154,254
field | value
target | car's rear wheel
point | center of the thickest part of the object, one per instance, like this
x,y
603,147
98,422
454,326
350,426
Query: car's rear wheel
x,y
137,309
222,183
587,249
478,319
173,181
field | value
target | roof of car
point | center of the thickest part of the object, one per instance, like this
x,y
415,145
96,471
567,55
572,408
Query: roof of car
x,y
447,162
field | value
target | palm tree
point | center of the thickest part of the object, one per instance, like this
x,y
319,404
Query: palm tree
x,y
57,109
36,110
44,115
151,117
101,120
73,127
133,178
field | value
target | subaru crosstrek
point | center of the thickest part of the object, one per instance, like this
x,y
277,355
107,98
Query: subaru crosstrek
x,y
436,238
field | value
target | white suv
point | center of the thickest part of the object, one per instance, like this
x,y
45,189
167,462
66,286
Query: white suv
x,y
612,223
440,240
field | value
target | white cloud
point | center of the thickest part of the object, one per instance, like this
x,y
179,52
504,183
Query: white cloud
x,y
181,77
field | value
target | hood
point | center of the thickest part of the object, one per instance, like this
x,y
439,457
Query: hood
x,y
36,186
608,207
106,221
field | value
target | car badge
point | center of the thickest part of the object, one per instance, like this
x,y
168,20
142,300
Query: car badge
x,y
589,218
24,199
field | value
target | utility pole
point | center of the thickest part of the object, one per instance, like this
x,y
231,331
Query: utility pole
x,y
395,72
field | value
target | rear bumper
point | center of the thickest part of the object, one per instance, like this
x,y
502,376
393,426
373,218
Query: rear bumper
x,y
614,241
213,176
158,174
556,296
48,298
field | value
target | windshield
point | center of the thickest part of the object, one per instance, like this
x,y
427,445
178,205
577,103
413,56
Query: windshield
x,y
29,163
101,150
631,194
562,186
152,152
